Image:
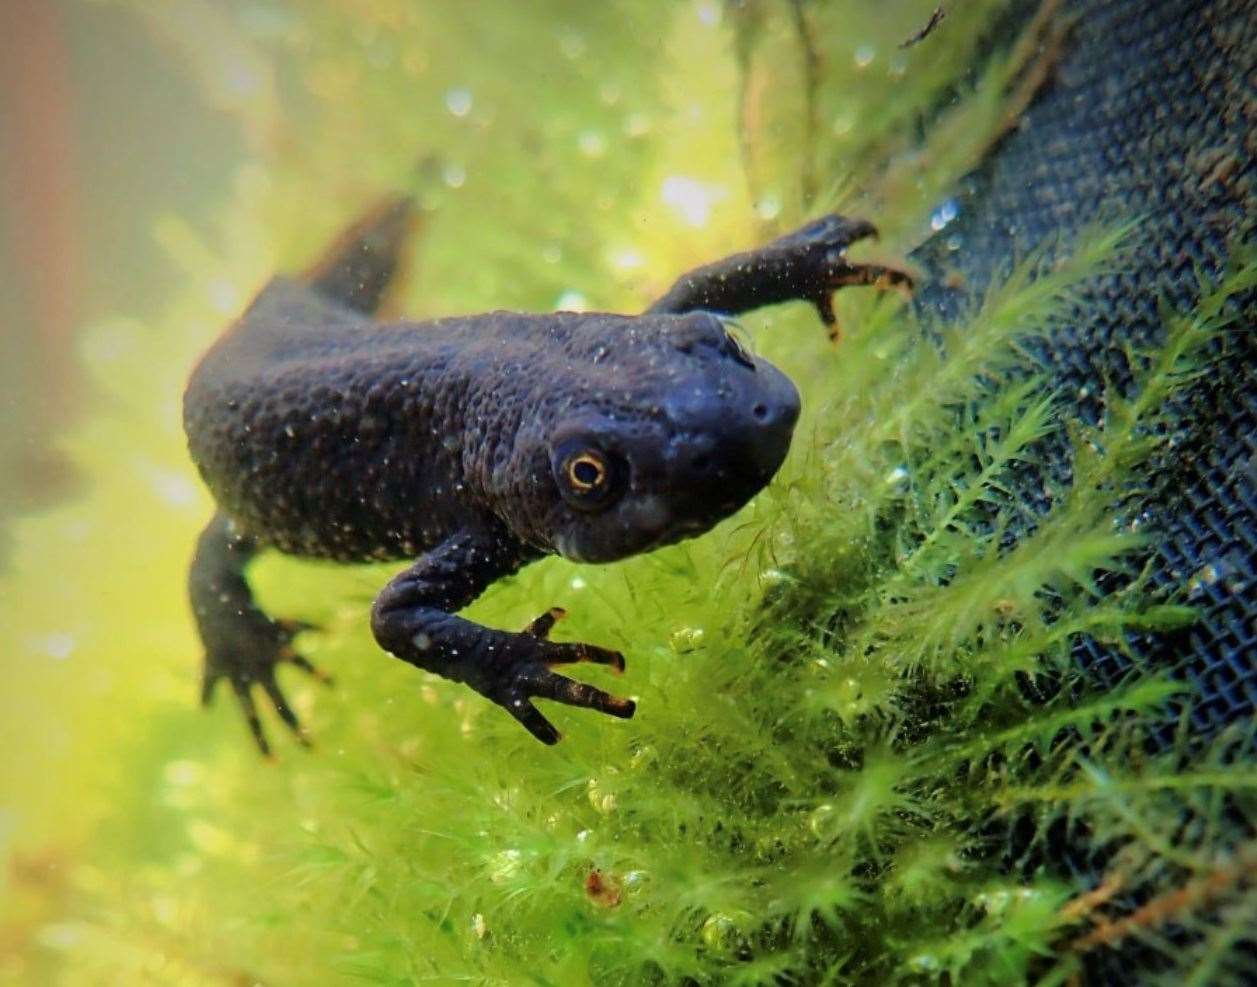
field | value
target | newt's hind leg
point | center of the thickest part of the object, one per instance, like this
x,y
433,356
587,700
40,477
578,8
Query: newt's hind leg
x,y
808,265
242,644
358,267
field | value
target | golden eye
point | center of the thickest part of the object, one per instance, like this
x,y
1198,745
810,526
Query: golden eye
x,y
586,471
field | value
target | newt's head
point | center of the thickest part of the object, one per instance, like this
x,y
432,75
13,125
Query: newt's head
x,y
670,427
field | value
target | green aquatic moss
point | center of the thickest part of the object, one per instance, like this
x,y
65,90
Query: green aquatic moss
x,y
861,743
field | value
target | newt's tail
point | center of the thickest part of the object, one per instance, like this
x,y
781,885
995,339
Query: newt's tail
x,y
360,264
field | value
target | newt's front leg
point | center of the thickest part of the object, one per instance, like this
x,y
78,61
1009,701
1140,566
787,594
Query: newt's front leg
x,y
413,618
808,265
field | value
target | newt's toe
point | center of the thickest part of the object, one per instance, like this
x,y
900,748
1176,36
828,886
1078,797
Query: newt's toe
x,y
533,678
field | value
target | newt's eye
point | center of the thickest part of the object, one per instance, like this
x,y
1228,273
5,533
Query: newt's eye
x,y
586,471
588,477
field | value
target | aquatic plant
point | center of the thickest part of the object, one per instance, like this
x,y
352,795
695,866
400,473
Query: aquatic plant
x,y
864,752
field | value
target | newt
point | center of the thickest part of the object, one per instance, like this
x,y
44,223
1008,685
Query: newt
x,y
472,446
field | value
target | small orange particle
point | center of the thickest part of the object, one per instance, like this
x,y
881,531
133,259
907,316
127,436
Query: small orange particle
x,y
601,889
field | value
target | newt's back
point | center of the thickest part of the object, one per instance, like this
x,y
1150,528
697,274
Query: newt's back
x,y
325,433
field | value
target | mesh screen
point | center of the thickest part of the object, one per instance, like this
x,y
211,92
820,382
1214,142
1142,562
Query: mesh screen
x,y
1151,112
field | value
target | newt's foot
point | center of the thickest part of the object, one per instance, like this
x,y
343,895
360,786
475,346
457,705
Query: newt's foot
x,y
528,676
808,265
817,252
251,659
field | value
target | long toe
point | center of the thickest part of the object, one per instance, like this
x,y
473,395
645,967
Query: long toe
x,y
245,698
571,654
303,663
541,627
536,724
209,682
271,687
878,276
546,684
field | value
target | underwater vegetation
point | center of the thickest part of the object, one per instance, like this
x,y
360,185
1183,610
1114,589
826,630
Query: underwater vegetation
x,y
863,753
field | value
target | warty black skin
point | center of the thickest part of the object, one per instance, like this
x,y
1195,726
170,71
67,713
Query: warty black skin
x,y
477,445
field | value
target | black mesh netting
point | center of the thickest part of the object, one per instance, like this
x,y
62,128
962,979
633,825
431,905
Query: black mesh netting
x,y
1151,112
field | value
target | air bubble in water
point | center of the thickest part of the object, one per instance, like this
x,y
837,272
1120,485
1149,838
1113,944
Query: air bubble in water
x,y
458,102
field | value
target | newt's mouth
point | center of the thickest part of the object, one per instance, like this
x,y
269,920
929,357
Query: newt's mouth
x,y
653,522
569,547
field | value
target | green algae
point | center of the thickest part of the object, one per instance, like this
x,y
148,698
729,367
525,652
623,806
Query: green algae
x,y
834,736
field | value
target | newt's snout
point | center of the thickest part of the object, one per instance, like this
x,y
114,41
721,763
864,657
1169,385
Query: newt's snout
x,y
729,442
774,416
